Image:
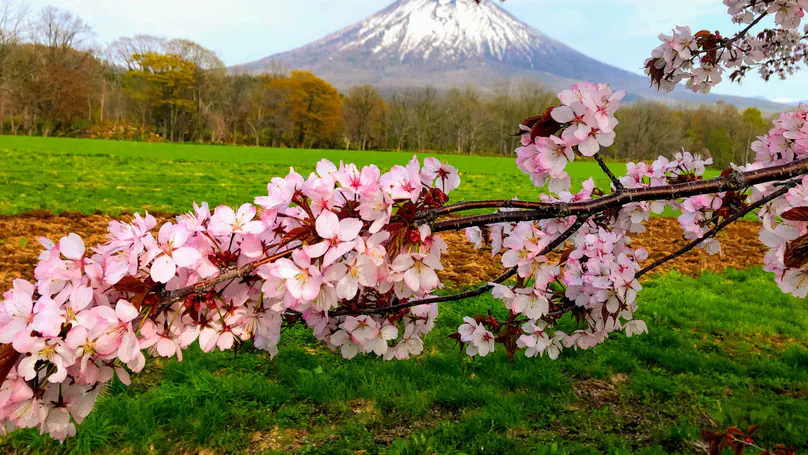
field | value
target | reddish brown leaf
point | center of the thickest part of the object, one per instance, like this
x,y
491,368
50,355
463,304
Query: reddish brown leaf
x,y
796,254
131,284
137,300
8,358
565,255
528,124
545,128
541,125
657,74
296,233
796,214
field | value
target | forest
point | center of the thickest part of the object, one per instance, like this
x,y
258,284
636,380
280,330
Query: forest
x,y
55,80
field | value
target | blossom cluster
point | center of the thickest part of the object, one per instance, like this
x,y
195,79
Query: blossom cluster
x,y
787,141
584,123
696,212
338,249
596,277
787,13
785,222
702,59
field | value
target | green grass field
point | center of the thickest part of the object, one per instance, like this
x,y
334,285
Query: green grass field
x,y
112,177
723,349
727,348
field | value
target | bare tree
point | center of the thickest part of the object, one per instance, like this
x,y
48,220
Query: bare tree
x,y
12,21
59,31
400,120
425,115
646,128
365,114
120,51
209,72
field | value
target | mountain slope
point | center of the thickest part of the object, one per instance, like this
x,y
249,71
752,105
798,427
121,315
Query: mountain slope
x,y
447,43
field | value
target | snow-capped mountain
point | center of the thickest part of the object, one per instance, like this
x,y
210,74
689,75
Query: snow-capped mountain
x,y
447,43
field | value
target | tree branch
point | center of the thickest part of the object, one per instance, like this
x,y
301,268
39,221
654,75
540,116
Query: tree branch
x,y
435,299
539,211
169,297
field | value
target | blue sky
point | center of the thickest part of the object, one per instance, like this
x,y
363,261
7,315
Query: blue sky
x,y
618,32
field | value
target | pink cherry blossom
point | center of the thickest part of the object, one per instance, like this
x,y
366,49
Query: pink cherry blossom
x,y
119,337
16,313
338,237
554,153
281,191
303,280
444,176
225,222
403,182
171,252
361,328
52,351
479,340
417,271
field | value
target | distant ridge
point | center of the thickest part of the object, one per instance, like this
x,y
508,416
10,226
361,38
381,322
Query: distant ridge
x,y
446,43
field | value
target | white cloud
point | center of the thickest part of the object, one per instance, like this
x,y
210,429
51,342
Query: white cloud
x,y
785,100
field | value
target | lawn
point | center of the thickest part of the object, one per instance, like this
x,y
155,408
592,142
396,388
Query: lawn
x,y
726,349
723,349
113,177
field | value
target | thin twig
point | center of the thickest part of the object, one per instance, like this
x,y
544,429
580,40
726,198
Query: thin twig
x,y
436,299
473,292
712,232
615,181
743,32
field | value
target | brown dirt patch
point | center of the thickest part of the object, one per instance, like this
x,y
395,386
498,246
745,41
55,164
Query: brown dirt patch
x,y
739,242
279,439
19,247
596,391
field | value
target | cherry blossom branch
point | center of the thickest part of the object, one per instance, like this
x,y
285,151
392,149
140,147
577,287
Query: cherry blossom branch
x,y
734,181
746,29
359,263
712,232
479,290
169,297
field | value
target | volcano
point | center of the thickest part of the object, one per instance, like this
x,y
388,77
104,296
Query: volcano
x,y
451,43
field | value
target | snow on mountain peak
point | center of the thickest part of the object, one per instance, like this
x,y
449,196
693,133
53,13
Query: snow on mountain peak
x,y
420,29
436,31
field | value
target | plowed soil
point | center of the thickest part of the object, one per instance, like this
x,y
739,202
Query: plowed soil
x,y
19,247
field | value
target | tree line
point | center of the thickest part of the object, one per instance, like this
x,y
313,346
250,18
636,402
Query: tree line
x,y
56,81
